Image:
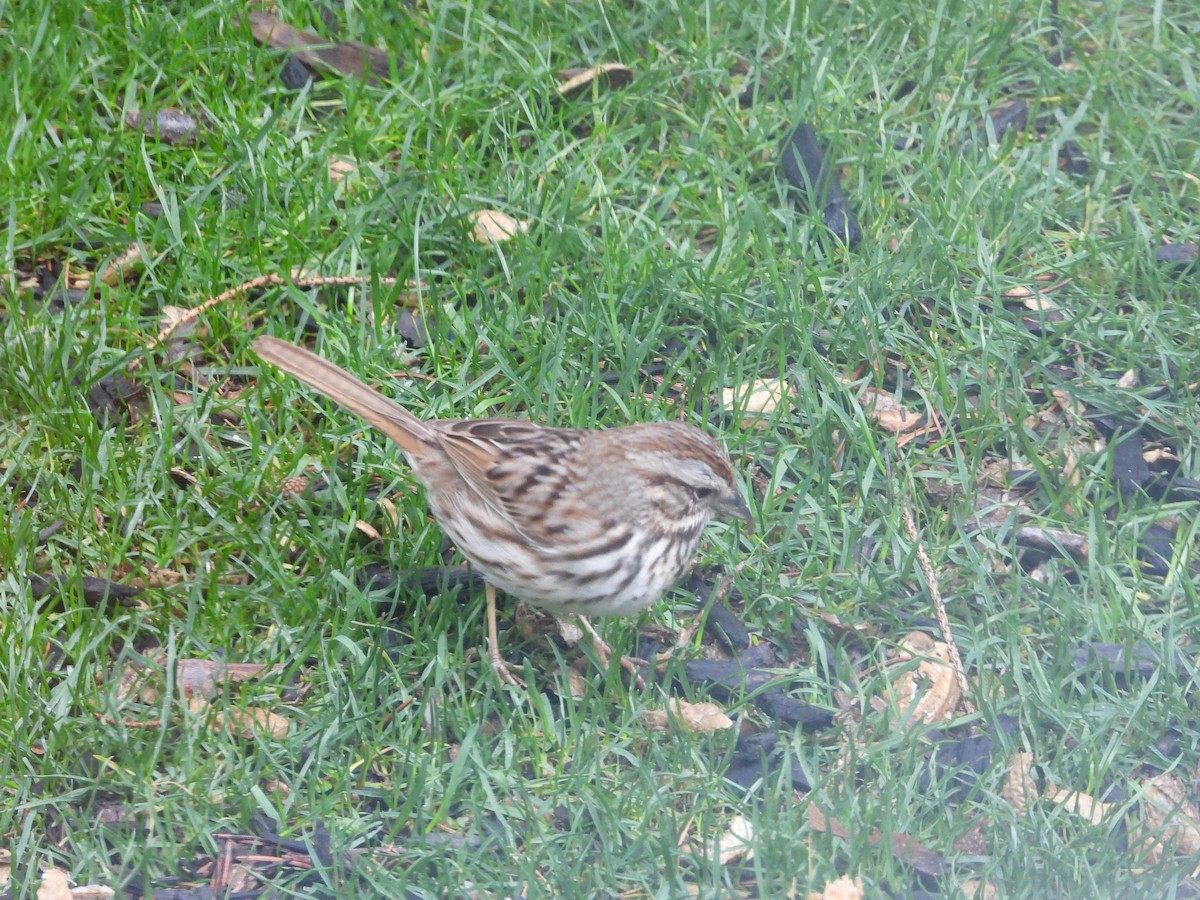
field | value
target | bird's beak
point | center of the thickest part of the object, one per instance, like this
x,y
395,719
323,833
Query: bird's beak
x,y
734,507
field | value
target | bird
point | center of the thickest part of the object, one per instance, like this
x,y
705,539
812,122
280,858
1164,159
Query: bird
x,y
582,521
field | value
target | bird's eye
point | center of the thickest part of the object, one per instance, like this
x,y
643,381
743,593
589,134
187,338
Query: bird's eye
x,y
704,492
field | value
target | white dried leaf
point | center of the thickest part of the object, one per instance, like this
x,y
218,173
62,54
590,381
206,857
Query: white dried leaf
x,y
756,400
492,225
737,841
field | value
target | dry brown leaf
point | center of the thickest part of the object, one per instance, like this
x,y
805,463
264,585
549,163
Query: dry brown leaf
x,y
698,718
169,125
756,400
844,888
887,413
346,57
736,842
576,683
568,632
341,169
1018,293
1039,303
1172,822
388,508
123,265
203,677
492,225
246,723
364,527
1158,455
573,81
140,684
929,693
1073,409
1129,380
1081,804
1019,788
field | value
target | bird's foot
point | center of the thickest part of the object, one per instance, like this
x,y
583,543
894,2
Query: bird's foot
x,y
605,653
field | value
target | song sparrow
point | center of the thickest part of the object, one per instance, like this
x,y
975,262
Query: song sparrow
x,y
584,521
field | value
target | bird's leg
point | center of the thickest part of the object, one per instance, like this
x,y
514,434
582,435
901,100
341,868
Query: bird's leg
x,y
605,653
504,673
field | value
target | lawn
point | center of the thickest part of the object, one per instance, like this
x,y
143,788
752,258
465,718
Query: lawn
x,y
239,658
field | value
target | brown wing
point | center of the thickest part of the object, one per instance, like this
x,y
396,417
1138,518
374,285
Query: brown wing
x,y
516,468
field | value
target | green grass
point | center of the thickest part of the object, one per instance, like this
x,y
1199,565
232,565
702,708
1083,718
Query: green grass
x,y
659,231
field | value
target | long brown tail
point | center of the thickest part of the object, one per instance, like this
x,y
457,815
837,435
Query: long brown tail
x,y
395,421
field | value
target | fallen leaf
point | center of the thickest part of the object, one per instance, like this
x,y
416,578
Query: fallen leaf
x,y
56,885
735,843
341,169
123,265
345,57
169,125
491,225
364,527
246,723
1081,804
568,632
1172,822
203,677
929,693
698,718
1129,380
844,888
1019,788
756,400
576,684
887,413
